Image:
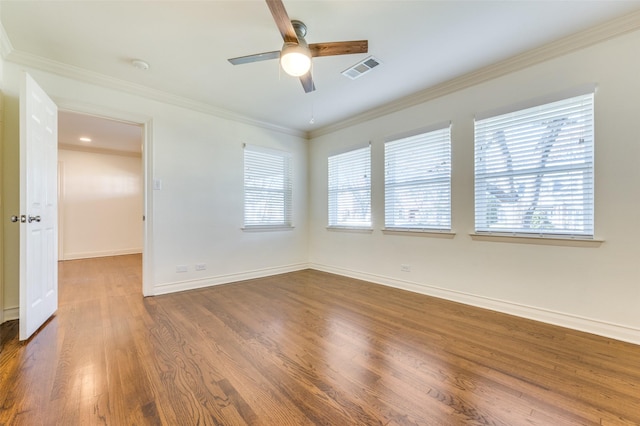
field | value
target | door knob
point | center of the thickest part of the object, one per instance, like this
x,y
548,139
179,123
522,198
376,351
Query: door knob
x,y
34,218
21,218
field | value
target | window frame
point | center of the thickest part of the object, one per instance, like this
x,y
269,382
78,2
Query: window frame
x,y
336,186
428,145
267,160
584,100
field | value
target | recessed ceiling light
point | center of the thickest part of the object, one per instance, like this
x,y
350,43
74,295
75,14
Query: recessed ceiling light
x,y
85,139
140,64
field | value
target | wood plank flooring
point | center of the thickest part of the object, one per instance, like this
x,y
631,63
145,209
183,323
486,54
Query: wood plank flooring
x,y
298,349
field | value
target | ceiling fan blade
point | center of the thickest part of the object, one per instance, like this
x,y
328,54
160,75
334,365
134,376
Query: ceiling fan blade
x,y
339,48
307,83
283,22
255,58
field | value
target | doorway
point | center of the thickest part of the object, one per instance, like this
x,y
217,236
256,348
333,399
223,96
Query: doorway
x,y
100,187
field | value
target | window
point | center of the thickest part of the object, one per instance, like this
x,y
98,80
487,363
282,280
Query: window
x,y
267,187
350,189
534,170
417,181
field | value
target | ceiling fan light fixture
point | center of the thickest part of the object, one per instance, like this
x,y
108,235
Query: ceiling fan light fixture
x,y
295,59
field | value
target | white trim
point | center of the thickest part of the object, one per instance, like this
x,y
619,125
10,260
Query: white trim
x,y
176,286
574,322
432,233
83,75
106,253
589,37
61,205
537,239
11,314
363,229
148,277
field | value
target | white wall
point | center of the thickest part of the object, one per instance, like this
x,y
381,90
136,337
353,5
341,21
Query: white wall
x,y
595,289
10,206
100,203
197,215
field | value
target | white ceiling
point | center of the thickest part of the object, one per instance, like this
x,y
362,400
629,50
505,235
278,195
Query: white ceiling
x,y
420,43
105,134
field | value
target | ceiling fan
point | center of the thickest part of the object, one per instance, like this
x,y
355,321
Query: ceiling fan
x,y
295,55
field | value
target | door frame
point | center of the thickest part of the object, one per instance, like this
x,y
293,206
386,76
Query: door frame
x,y
146,123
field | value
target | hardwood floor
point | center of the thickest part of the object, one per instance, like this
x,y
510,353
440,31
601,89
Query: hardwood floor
x,y
301,348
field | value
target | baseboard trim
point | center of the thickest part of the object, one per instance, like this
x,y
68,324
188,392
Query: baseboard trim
x,y
173,287
106,253
575,322
11,314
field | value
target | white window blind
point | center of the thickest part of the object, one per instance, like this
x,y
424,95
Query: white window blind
x,y
350,188
267,187
534,170
418,181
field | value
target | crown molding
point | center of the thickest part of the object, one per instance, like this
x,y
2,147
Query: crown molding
x,y
589,37
5,44
600,33
76,73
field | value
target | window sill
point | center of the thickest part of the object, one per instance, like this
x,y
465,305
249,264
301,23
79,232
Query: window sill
x,y
430,233
364,230
535,239
267,228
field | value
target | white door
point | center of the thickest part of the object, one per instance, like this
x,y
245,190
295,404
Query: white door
x,y
38,207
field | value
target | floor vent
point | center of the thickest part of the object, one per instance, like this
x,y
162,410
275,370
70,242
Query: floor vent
x,y
361,68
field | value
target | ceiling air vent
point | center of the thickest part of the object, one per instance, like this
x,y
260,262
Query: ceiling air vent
x,y
361,68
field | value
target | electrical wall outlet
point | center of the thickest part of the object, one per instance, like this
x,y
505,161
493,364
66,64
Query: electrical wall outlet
x,y
405,268
182,268
201,266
